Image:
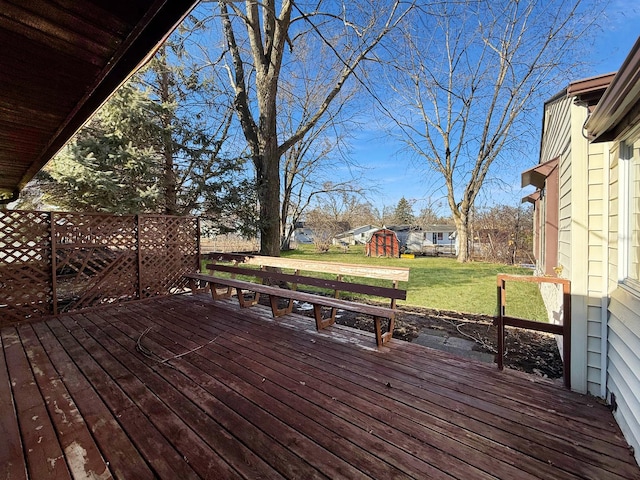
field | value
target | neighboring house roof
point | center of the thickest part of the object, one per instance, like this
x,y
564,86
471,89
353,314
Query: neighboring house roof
x,y
356,231
619,109
439,228
400,228
60,63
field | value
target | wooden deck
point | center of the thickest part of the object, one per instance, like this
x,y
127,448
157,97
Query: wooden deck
x,y
244,396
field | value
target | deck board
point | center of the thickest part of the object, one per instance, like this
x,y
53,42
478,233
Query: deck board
x,y
12,460
233,393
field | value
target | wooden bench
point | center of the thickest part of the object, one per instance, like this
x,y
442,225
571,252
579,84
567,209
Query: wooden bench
x,y
280,285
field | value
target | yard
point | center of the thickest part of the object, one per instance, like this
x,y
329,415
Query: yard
x,y
441,283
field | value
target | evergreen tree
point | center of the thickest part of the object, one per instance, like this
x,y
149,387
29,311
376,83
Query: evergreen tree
x,y
111,165
404,212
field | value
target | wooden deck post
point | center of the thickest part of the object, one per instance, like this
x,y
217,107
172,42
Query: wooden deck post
x,y
500,323
54,263
502,319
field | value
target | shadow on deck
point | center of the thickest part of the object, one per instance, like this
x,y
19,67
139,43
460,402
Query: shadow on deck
x,y
229,393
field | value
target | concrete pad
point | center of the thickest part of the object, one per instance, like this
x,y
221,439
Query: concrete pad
x,y
455,345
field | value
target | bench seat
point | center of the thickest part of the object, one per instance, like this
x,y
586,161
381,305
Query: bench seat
x,y
317,301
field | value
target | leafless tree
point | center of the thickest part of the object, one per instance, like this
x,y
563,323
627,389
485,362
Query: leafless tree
x,y
467,78
309,167
261,39
505,233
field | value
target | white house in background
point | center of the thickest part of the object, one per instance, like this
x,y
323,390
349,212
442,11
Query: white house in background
x,y
355,236
302,234
433,239
587,230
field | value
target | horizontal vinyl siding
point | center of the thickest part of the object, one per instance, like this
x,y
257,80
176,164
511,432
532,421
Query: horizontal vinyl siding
x,y
557,129
556,142
564,217
596,290
624,362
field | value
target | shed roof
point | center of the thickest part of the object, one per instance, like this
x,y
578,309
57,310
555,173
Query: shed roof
x,y
59,61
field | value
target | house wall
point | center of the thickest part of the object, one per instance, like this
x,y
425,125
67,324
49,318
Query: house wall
x,y
584,258
623,374
556,142
582,238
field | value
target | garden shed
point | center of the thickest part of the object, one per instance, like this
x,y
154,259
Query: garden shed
x,y
383,243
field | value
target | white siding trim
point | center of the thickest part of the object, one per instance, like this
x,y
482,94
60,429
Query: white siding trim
x,y
604,299
623,212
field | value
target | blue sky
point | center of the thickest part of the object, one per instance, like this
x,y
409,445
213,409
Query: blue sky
x,y
395,175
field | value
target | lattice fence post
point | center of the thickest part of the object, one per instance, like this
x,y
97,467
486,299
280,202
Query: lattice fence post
x,y
198,266
139,255
54,263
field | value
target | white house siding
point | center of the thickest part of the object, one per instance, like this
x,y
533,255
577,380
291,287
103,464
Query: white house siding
x,y
623,373
596,288
623,379
576,267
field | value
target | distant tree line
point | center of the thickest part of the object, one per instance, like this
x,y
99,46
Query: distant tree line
x,y
501,233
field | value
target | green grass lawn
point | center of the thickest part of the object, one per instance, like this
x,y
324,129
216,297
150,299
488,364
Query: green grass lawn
x,y
444,284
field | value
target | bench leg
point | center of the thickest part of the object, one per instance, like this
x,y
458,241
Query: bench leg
x,y
323,322
244,303
195,287
279,312
217,295
382,338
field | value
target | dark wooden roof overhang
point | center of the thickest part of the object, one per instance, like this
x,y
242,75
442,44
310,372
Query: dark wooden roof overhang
x,y
619,108
589,91
537,175
59,61
532,197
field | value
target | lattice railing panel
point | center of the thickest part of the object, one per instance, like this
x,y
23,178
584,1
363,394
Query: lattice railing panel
x,y
168,250
60,262
96,259
25,260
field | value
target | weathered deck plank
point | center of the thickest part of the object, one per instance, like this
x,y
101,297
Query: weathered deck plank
x,y
12,461
43,452
80,449
246,396
123,457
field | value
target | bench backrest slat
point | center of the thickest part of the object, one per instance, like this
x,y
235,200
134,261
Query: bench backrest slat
x,y
387,292
399,274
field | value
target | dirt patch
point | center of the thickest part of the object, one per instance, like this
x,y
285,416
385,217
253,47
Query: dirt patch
x,y
527,351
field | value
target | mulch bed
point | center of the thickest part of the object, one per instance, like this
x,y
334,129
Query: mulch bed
x,y
527,351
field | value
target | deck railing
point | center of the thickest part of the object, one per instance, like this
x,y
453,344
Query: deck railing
x,y
503,320
57,262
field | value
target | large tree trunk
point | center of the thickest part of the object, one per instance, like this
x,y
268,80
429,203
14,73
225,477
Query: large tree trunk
x,y
462,229
268,186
